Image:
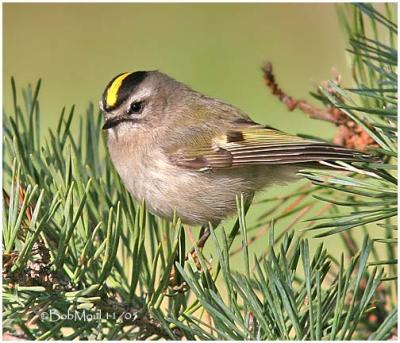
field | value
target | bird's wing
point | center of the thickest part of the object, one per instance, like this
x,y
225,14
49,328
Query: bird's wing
x,y
256,145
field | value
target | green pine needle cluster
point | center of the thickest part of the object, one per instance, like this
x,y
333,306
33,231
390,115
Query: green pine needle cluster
x,y
82,260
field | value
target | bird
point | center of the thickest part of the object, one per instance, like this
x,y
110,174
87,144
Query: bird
x,y
184,152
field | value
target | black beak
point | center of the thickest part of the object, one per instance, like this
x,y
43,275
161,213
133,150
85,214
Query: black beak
x,y
112,122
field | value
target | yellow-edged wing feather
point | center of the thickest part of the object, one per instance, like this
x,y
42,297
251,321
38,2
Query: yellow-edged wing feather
x,y
257,145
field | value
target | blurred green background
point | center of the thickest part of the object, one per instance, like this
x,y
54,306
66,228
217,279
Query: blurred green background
x,y
217,49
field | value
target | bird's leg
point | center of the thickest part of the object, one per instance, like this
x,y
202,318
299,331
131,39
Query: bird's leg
x,y
204,234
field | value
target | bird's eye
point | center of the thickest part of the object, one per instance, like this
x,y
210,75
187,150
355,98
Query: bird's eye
x,y
136,107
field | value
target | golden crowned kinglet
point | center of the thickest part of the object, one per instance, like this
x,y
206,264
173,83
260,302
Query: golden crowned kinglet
x,y
178,149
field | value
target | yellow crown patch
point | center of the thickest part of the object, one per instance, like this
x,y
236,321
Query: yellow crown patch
x,y
112,92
